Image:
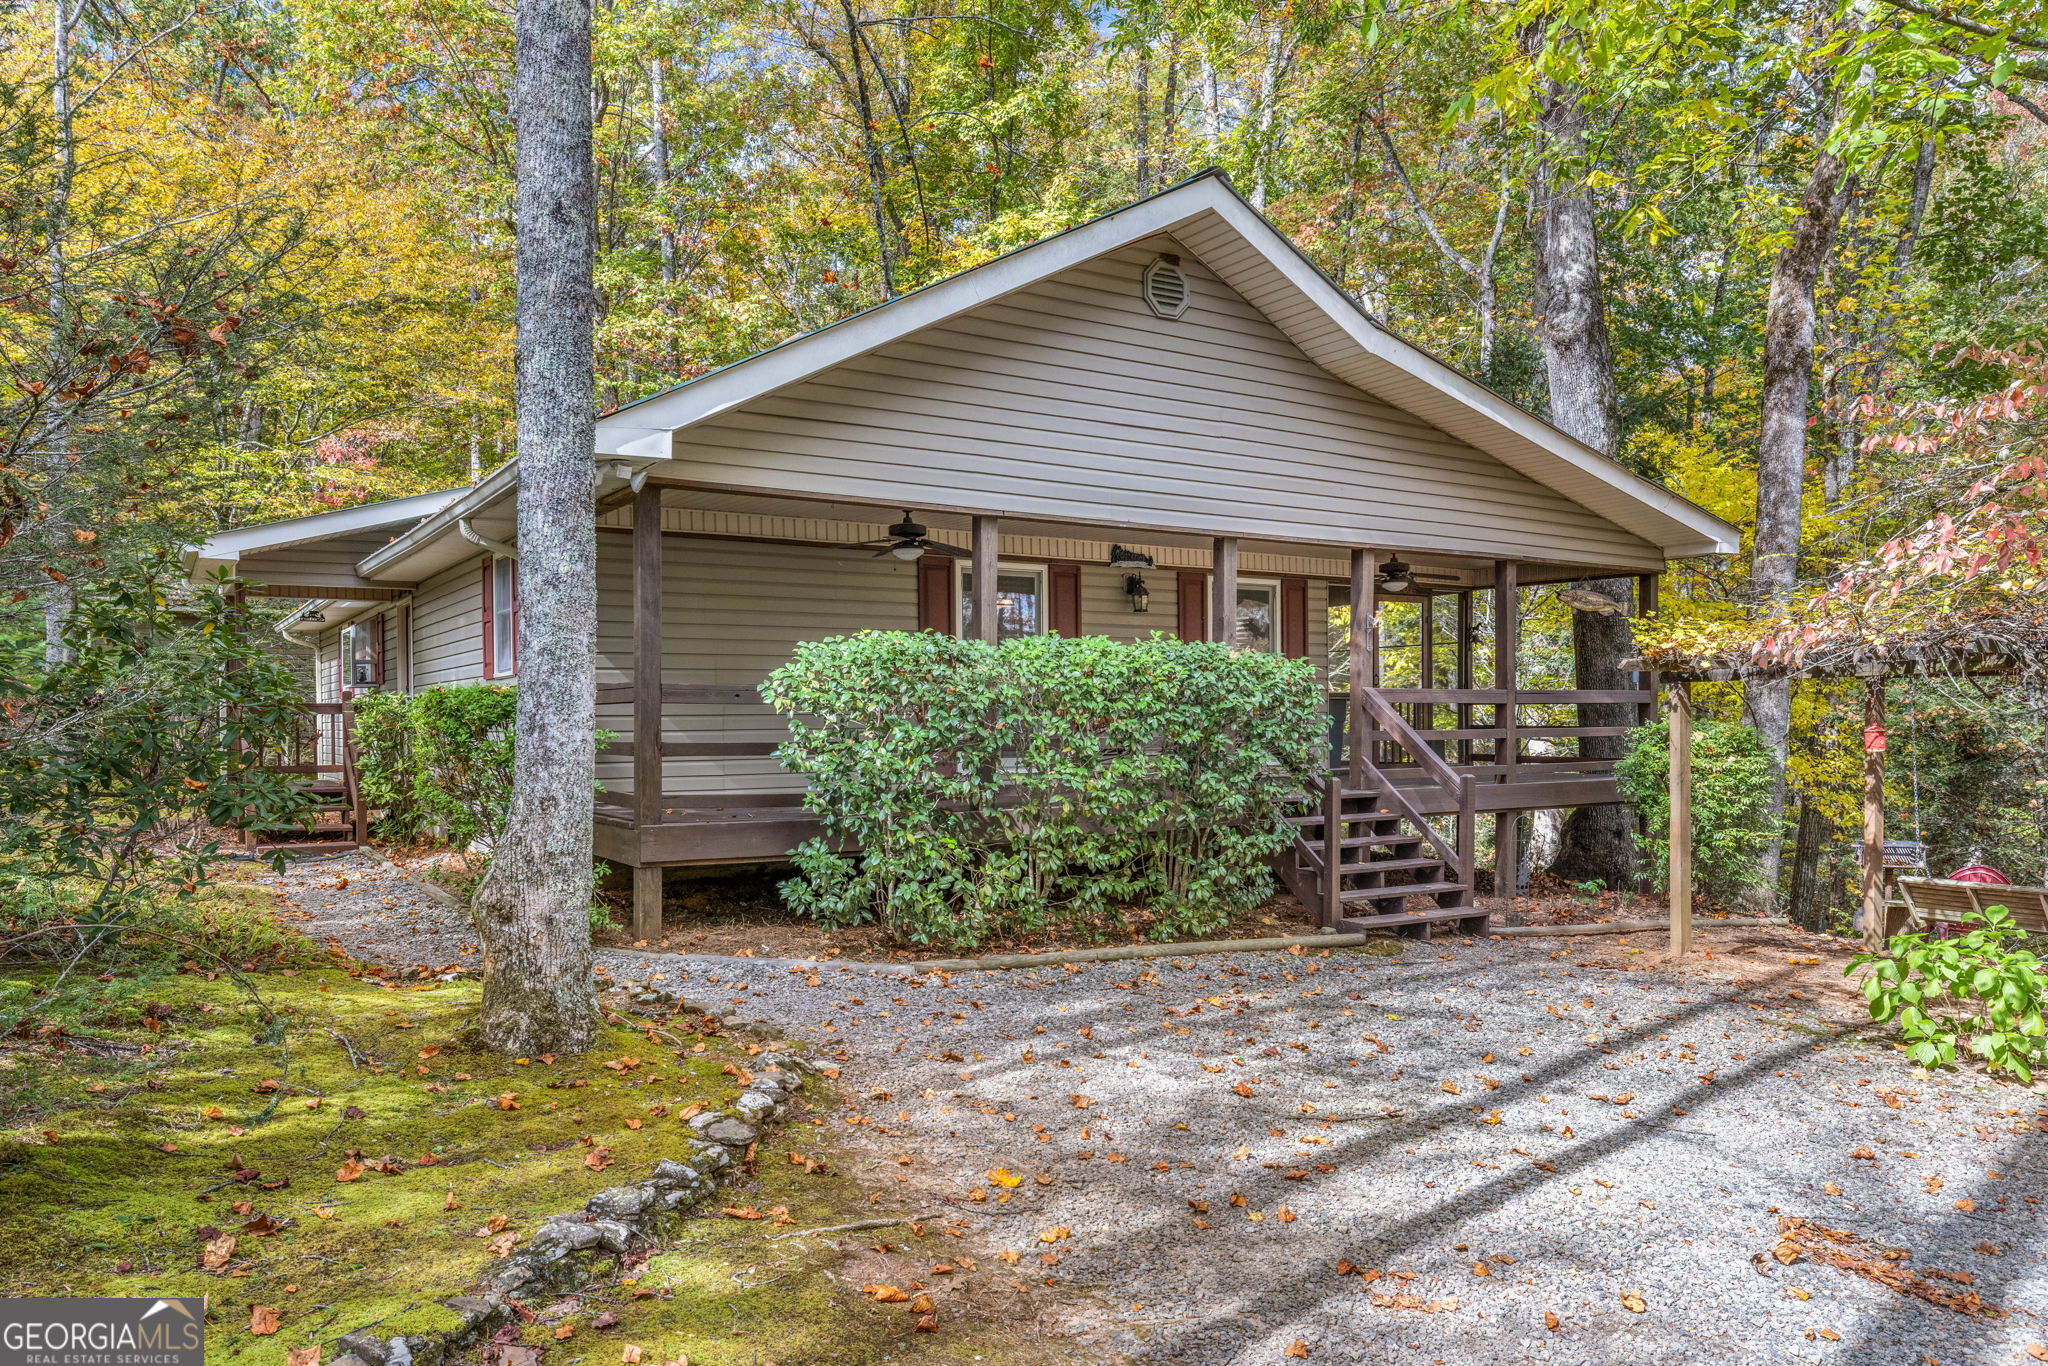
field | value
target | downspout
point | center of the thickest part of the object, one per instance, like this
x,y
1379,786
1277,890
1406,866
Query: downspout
x,y
475,537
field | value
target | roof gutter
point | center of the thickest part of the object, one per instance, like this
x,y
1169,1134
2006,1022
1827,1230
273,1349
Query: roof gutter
x,y
612,474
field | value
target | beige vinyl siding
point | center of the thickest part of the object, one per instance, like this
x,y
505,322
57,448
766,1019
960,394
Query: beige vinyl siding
x,y
331,561
732,611
447,628
1069,400
1105,611
326,670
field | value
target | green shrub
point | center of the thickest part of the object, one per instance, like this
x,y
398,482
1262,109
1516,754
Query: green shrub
x,y
1982,992
1731,786
145,732
993,789
438,761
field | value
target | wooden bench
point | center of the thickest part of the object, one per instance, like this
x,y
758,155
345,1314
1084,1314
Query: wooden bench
x,y
1925,900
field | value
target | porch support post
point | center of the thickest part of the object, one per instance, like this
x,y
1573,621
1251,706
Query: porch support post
x,y
1223,591
1873,812
1507,635
1679,699
1364,637
1464,665
647,774
987,543
1646,606
1425,672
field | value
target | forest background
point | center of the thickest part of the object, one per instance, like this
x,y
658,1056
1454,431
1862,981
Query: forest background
x,y
256,261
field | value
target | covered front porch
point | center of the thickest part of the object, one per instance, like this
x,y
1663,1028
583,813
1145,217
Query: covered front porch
x,y
721,584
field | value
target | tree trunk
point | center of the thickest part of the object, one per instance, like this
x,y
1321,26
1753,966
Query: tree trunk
x,y
1805,901
1145,123
1781,450
59,598
533,909
871,151
1598,842
657,155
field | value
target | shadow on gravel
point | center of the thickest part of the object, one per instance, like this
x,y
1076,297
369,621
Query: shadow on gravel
x,y
1893,1319
1245,1320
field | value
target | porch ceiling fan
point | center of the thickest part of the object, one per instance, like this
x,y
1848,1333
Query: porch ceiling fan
x,y
907,541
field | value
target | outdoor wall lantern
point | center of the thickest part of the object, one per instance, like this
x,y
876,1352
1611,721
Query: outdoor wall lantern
x,y
1395,576
1135,590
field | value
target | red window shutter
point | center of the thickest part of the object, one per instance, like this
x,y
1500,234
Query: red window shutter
x,y
1063,589
1191,587
490,643
935,594
1294,618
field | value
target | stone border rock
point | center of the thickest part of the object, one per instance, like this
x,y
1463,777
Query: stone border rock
x,y
563,1254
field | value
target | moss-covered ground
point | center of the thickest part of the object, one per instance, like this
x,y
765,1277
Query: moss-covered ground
x,y
341,1155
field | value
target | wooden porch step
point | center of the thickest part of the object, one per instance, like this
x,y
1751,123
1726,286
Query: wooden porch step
x,y
1351,894
1389,839
1346,818
1390,865
1406,920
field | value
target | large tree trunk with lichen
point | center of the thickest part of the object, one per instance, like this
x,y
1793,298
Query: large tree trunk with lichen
x,y
1781,450
533,909
1597,842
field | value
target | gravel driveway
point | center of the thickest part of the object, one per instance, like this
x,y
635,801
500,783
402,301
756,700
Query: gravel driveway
x,y
1516,1155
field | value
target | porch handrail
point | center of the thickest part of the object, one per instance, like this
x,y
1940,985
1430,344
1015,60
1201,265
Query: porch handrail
x,y
1458,853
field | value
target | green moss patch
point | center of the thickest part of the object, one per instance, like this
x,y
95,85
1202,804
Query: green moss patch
x,y
363,1158
730,1290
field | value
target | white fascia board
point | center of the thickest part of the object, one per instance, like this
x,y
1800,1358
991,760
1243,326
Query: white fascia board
x,y
469,502
226,549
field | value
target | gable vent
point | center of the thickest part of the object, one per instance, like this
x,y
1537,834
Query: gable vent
x,y
1165,287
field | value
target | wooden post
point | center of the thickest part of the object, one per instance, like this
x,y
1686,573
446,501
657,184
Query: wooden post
x,y
1363,641
1873,812
987,549
1223,591
1425,671
1646,606
1679,696
1464,667
1333,852
648,780
1507,855
1507,636
1507,645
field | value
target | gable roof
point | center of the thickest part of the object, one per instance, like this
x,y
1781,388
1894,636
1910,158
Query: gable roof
x,y
224,550
1257,260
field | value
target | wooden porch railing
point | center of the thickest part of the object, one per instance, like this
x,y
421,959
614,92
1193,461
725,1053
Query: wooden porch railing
x,y
1384,719
322,747
1489,752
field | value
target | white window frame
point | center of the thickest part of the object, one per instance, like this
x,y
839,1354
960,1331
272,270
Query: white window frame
x,y
1039,572
350,633
504,616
